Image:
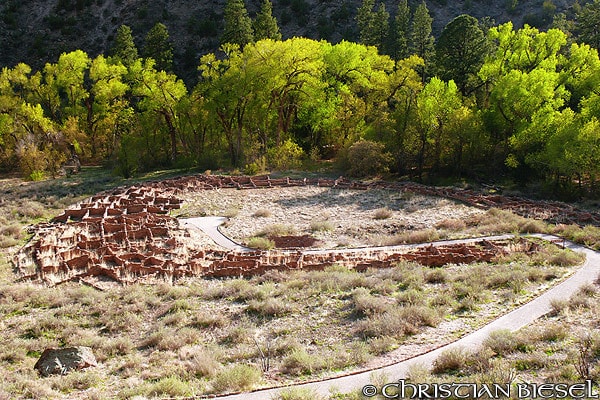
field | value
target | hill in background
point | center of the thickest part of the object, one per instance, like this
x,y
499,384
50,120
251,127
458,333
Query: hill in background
x,y
38,31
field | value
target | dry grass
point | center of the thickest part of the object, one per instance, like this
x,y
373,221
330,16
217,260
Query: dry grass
x,y
269,308
190,339
454,225
382,213
262,213
588,235
236,378
420,236
298,394
277,230
451,362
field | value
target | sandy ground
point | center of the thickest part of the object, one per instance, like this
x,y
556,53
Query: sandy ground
x,y
349,215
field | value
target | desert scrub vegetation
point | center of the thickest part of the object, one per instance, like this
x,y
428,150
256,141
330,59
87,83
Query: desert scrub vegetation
x,y
588,235
262,213
383,213
495,221
260,243
321,226
419,236
206,336
201,337
276,230
561,347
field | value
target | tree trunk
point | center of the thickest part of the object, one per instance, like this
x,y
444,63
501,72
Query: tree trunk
x,y
172,133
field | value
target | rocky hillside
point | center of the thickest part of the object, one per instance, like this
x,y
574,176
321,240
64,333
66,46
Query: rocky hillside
x,y
37,31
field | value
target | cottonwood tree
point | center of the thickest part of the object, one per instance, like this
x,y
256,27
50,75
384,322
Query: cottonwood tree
x,y
108,108
358,77
230,85
434,115
526,87
159,93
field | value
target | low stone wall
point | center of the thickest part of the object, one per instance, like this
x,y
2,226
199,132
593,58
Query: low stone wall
x,y
127,235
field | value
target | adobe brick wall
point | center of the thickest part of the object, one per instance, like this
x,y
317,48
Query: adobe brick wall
x,y
127,235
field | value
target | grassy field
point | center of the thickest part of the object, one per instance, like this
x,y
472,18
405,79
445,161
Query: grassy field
x,y
214,336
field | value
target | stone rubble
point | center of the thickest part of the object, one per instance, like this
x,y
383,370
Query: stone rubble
x,y
127,235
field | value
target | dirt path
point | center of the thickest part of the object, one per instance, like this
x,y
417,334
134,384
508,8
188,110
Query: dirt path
x,y
513,321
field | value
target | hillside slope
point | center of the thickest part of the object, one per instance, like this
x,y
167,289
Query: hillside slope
x,y
37,31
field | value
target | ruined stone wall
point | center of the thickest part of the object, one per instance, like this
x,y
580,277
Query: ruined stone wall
x,y
127,235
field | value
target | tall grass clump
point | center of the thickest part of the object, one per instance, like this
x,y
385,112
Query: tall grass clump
x,y
321,226
260,243
383,213
236,378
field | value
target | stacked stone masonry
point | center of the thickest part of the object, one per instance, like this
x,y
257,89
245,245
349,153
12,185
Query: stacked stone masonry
x,y
127,235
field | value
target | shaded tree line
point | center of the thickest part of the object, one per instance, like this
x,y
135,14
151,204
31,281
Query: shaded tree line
x,y
522,102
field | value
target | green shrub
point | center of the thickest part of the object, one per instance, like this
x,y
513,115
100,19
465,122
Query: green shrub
x,y
367,158
170,386
270,307
237,378
321,226
260,243
257,167
287,156
299,362
452,361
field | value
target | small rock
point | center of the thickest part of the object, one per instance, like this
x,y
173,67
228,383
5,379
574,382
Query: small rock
x,y
61,361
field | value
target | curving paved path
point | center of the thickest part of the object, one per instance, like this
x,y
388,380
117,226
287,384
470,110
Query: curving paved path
x,y
513,320
210,226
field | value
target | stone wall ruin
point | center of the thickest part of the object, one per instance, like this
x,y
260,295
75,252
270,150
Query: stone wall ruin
x,y
127,235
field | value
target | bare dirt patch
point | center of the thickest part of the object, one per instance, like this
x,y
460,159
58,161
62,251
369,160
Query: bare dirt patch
x,y
350,214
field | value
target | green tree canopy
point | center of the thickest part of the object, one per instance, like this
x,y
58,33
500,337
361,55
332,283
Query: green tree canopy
x,y
123,48
265,24
422,41
158,47
588,24
399,45
460,52
238,25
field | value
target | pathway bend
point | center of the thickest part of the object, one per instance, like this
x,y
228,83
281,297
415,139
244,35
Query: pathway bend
x,y
514,320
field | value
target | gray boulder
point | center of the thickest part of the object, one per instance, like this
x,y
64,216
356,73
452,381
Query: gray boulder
x,y
61,361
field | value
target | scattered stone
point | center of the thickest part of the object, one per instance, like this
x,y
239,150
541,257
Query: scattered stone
x,y
127,234
61,361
